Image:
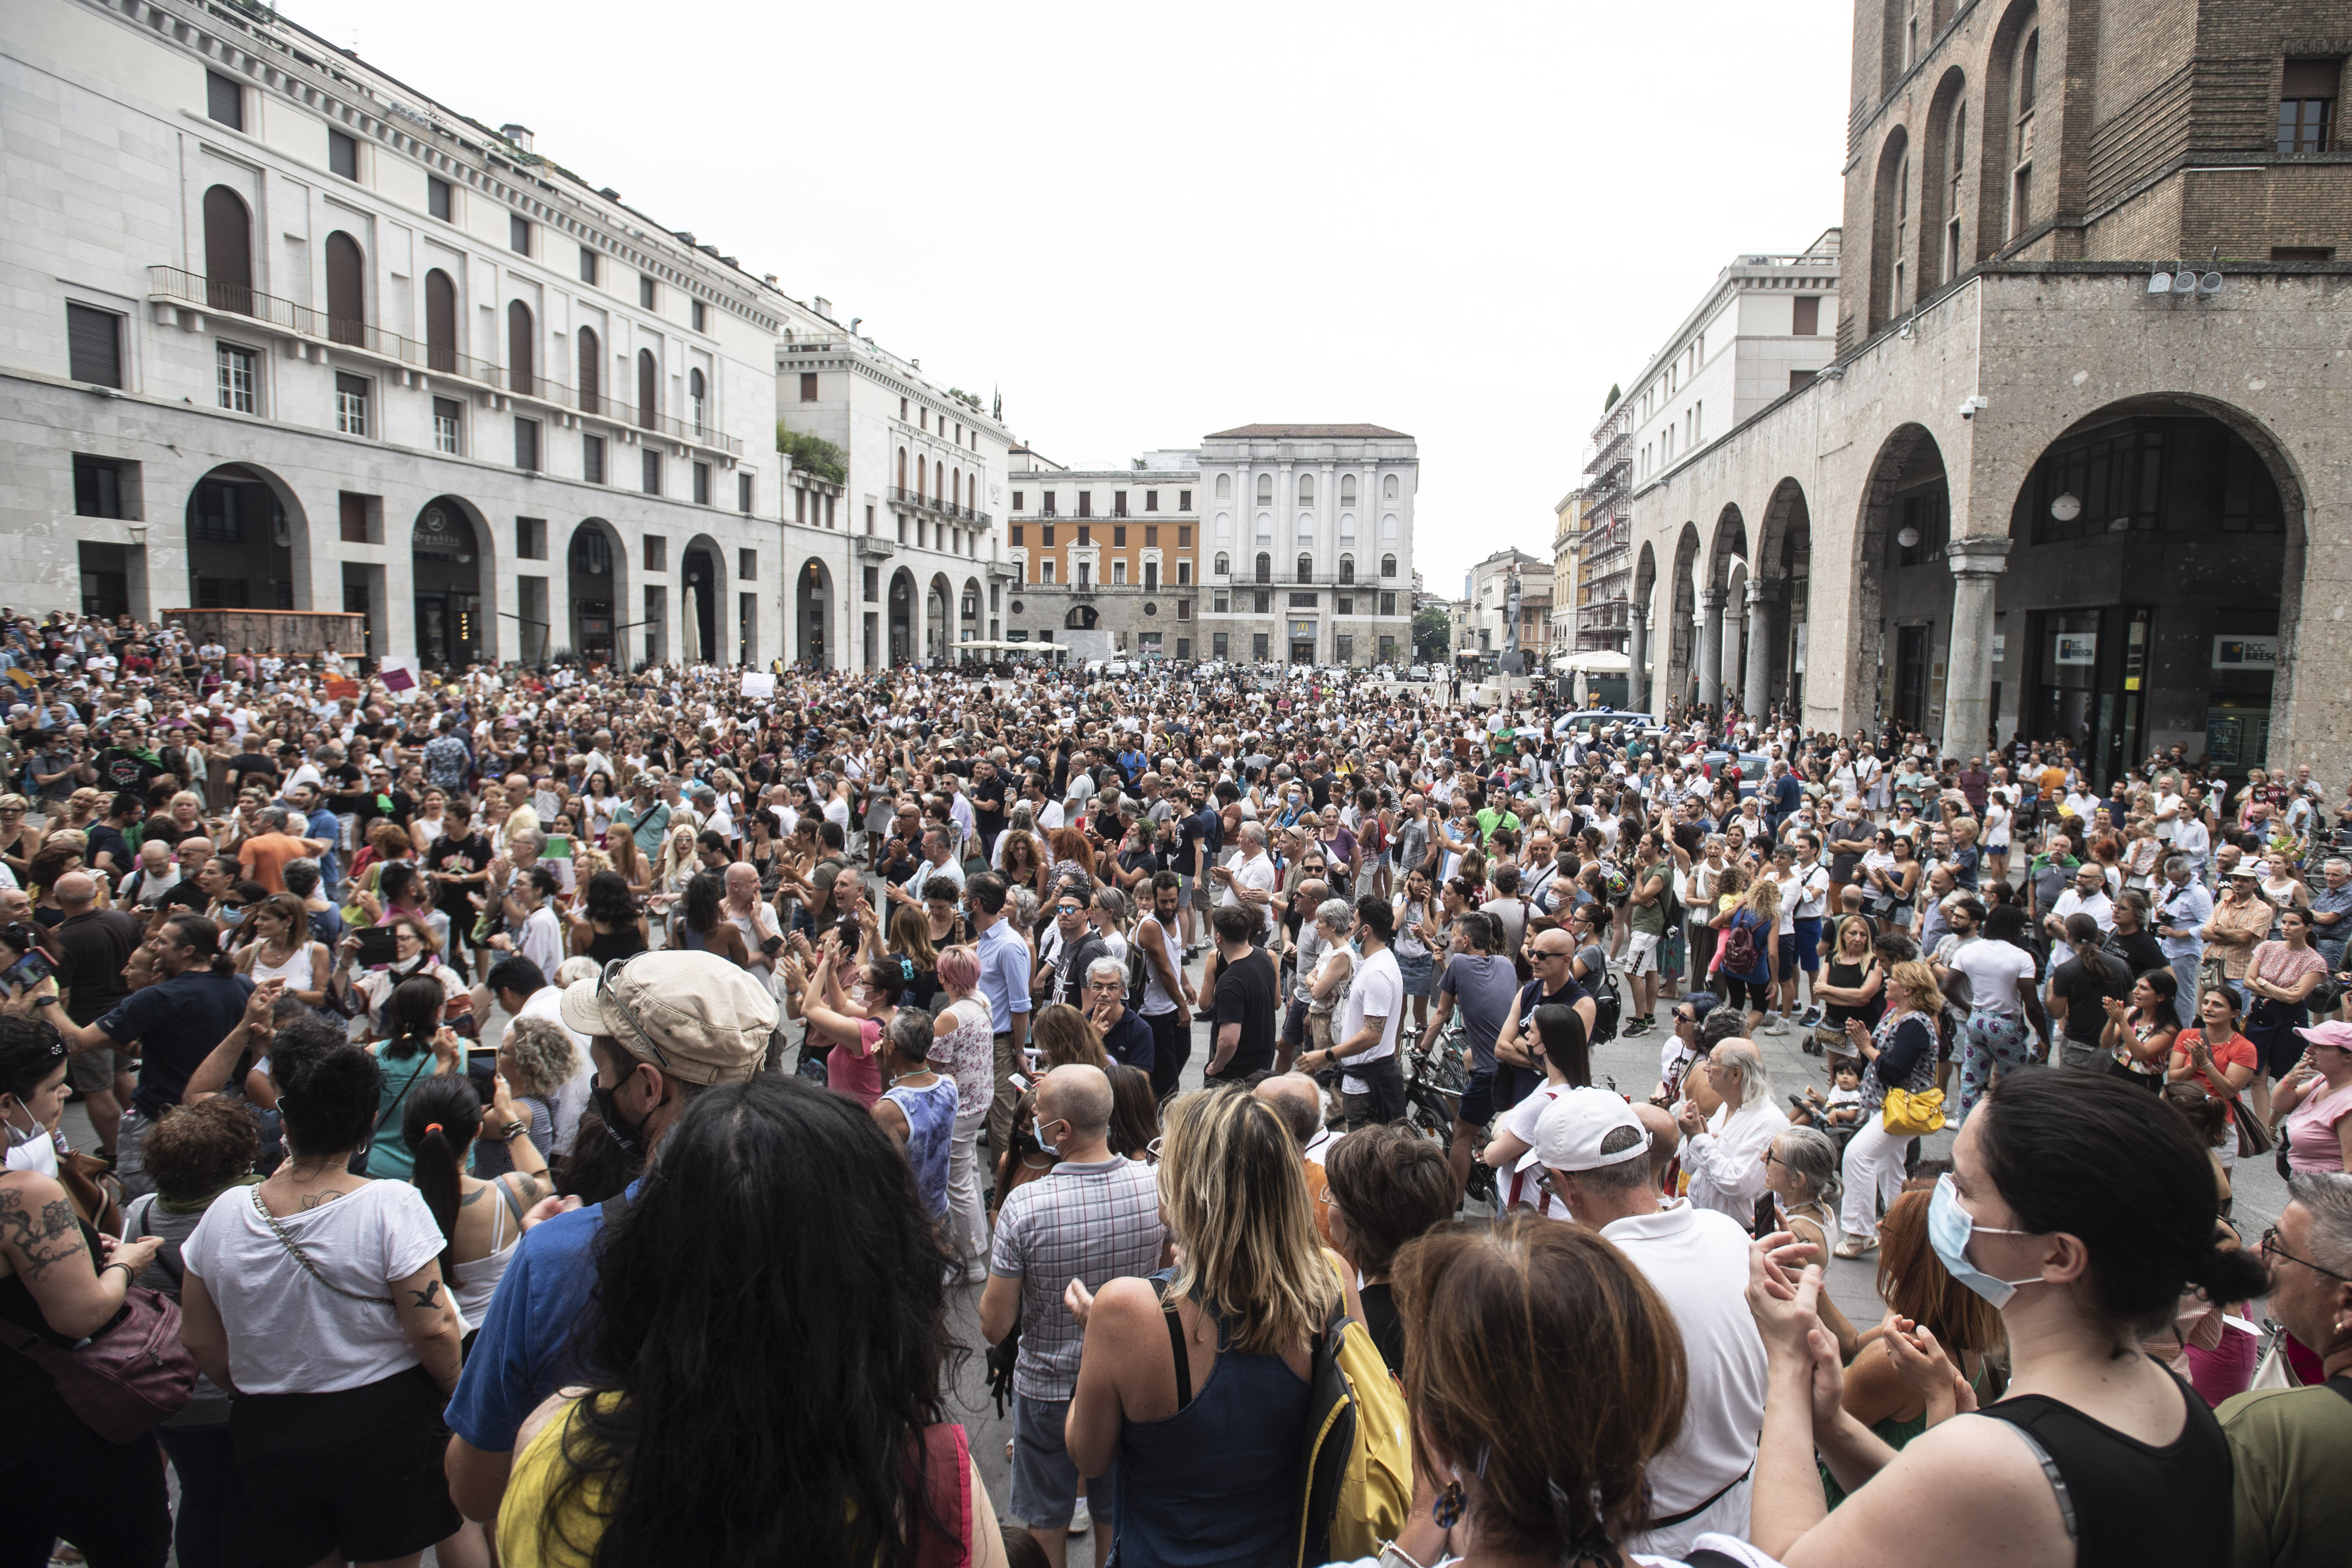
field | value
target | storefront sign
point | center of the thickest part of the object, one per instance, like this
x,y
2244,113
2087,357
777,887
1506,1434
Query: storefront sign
x,y
2246,653
2075,647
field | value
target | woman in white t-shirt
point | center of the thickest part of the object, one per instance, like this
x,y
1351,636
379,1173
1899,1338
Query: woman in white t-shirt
x,y
2003,1006
317,1301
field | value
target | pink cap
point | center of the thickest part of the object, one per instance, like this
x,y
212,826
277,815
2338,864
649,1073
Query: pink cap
x,y
2335,1032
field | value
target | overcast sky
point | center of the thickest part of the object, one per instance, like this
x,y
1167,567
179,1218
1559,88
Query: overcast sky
x,y
1146,223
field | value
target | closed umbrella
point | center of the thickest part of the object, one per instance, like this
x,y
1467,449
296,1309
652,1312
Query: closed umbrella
x,y
690,633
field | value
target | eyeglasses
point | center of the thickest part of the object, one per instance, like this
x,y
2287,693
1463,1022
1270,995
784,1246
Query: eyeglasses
x,y
2271,1248
1070,909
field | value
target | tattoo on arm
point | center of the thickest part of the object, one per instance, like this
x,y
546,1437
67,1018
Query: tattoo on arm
x,y
428,1297
45,1239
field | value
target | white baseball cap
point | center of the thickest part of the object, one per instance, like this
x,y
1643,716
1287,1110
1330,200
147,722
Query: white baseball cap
x,y
1574,1125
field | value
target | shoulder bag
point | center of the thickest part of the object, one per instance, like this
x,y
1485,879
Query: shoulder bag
x,y
125,1380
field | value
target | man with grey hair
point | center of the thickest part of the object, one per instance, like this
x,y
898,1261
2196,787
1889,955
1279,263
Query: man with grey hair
x,y
1251,880
2331,911
2183,905
1724,1153
2288,1445
1125,1034
1597,1148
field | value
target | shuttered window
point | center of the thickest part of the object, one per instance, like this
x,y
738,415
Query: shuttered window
x,y
94,346
224,101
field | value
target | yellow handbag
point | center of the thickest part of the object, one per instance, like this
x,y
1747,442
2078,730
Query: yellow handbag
x,y
1908,1115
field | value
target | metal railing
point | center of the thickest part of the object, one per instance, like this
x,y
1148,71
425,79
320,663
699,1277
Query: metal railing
x,y
236,300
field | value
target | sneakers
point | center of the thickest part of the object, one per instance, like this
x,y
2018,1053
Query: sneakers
x,y
1082,1519
1812,1015
1638,1027
1774,1025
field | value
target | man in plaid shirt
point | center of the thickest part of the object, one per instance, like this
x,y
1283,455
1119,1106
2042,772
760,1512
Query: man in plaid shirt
x,y
1094,1218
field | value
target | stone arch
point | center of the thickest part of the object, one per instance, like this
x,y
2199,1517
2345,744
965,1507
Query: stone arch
x,y
1637,648
900,611
1729,546
1890,212
813,602
453,575
1682,616
971,607
1777,602
1908,461
596,568
704,602
1998,121
938,615
247,542
1937,262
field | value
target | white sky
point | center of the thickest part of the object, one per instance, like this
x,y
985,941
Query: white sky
x,y
1461,222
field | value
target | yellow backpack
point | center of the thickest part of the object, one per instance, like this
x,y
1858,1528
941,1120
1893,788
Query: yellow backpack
x,y
1358,1457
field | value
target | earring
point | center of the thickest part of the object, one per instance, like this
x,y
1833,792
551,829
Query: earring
x,y
1446,1511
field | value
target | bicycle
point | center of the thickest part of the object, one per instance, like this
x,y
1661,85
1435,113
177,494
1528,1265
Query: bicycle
x,y
1438,1075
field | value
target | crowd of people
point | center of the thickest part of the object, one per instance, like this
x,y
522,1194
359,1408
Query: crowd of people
x,y
526,1105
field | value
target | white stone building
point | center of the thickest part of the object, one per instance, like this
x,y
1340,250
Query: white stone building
x,y
280,331
1309,542
902,559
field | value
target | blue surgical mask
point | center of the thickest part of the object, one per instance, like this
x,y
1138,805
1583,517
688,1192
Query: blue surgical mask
x,y
1949,1227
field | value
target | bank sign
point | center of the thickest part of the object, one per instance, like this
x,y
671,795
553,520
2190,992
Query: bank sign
x,y
2246,653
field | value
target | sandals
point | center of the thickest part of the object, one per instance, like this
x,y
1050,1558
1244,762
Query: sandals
x,y
1854,1246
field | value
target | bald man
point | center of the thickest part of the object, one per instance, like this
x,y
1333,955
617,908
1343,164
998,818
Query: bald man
x,y
1299,1100
1094,1218
1664,1138
92,946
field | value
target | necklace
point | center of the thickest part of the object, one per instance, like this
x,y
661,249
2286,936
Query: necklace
x,y
899,1077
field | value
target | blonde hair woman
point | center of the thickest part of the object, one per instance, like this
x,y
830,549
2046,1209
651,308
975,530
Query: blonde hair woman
x,y
1899,1054
1758,914
1207,1448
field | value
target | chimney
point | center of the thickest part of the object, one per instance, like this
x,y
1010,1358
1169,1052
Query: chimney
x,y
518,134
823,306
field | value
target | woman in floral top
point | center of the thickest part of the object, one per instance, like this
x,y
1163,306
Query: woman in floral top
x,y
963,1047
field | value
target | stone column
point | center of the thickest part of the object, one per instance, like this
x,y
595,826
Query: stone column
x,y
1735,642
1637,649
1968,664
1765,595
1710,647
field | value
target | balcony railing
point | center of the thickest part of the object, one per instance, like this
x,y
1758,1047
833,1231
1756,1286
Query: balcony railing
x,y
235,299
916,500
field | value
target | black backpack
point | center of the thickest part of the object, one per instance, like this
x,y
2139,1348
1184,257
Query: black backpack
x,y
1608,1010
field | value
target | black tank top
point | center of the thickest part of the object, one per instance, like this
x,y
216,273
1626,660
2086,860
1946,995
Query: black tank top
x,y
2131,1505
608,945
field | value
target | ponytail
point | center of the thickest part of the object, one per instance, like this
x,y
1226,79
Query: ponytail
x,y
2082,934
196,931
439,1124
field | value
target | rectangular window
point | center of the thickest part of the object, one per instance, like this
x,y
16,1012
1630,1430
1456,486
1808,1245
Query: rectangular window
x,y
448,426
1183,609
1119,503
1048,535
702,484
224,101
651,473
1264,601
1044,571
1797,378
592,459
1303,601
527,444
1343,648
98,487
828,514
531,538
2306,105
746,565
1220,605
438,200
743,493
808,386
656,553
236,372
1184,500
873,584
587,265
1184,537
519,233
1388,651
1119,574
1808,322
343,155
2020,200
1045,501
1018,498
1218,642
1085,534
352,515
1388,604
1119,536
352,404
1257,645
1086,504
1183,574
2303,253
94,346
701,313
1016,533
644,291
1347,604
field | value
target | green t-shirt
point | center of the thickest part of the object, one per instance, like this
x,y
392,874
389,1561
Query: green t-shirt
x,y
1489,819
2288,1448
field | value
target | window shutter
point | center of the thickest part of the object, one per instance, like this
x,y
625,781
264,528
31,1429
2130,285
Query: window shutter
x,y
94,346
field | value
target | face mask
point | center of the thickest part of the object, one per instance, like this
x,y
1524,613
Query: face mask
x,y
232,917
1948,1230
1051,1150
632,1139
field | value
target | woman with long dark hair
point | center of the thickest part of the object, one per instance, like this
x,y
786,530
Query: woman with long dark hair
x,y
609,924
702,928
440,1121
772,1202
416,1047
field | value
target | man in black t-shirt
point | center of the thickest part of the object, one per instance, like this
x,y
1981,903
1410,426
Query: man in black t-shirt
x,y
987,805
1242,1042
2082,996
1198,838
1518,1048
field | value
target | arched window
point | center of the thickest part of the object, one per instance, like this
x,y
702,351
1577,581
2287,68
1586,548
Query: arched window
x,y
1957,134
346,289
591,372
228,251
1224,564
1347,489
440,322
1306,528
1307,568
648,389
1265,528
1225,487
695,389
1388,525
1265,489
902,471
2029,67
1224,525
1346,528
1388,488
1347,569
1306,489
1265,567
955,489
518,345
1388,566
921,472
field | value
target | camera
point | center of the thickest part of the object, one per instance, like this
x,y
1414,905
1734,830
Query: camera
x,y
1968,406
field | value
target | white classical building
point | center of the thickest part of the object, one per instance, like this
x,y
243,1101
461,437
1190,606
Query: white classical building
x,y
1309,542
902,559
